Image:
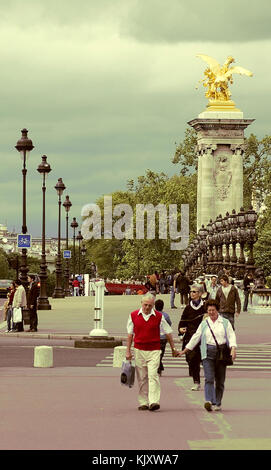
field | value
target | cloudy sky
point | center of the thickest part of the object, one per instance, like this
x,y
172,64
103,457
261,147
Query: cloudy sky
x,y
106,87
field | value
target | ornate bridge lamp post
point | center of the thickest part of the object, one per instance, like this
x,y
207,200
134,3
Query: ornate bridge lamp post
x,y
188,268
233,236
220,241
192,260
215,240
58,292
24,146
43,302
210,247
241,264
203,232
74,225
251,219
67,204
227,241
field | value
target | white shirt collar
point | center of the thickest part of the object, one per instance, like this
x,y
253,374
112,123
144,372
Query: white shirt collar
x,y
219,319
151,313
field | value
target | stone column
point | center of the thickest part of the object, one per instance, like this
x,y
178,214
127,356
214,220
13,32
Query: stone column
x,y
220,169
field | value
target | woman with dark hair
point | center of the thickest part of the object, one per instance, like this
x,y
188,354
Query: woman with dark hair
x,y
190,320
215,334
11,293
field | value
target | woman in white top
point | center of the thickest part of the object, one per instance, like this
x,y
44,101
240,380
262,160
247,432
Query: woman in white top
x,y
214,370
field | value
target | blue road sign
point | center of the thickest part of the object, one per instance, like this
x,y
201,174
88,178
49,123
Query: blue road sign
x,y
67,254
23,241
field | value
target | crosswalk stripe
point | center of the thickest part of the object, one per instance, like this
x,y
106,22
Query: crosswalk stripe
x,y
248,358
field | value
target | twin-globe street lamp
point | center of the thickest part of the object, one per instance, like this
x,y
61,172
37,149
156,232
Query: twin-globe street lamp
x,y
67,204
74,225
43,303
79,238
24,146
58,292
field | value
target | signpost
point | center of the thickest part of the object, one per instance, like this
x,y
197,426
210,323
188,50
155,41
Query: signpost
x,y
67,254
24,241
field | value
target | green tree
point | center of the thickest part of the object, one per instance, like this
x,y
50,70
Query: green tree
x,y
262,249
257,167
5,271
132,257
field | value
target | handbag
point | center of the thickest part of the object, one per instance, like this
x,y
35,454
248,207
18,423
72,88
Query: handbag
x,y
17,314
224,351
127,376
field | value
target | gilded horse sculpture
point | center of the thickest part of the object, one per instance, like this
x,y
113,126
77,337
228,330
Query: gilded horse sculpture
x,y
218,78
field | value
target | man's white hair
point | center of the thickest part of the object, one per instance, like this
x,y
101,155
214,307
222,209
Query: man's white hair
x,y
148,296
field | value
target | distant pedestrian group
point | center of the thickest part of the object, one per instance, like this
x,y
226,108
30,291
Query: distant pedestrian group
x,y
18,302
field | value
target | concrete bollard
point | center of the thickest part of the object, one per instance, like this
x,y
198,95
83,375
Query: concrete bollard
x,y
119,356
43,356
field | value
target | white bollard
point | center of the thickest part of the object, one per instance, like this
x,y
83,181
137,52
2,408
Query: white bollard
x,y
43,356
99,311
119,356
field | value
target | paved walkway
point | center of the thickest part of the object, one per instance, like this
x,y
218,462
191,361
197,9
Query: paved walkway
x,y
87,408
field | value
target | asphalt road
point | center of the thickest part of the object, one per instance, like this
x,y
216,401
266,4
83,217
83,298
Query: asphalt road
x,y
19,352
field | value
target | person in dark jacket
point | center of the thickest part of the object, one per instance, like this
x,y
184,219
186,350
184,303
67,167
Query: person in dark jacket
x,y
182,285
248,281
228,300
190,320
32,297
159,305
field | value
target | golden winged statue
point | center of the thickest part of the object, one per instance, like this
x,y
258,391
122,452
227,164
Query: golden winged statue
x,y
218,78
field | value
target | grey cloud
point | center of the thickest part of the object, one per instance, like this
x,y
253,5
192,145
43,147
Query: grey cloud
x,y
183,21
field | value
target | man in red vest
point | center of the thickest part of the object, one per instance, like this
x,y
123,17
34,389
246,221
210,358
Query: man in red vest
x,y
144,326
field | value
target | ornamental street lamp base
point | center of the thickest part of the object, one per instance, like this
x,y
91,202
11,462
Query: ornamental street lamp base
x,y
58,293
43,304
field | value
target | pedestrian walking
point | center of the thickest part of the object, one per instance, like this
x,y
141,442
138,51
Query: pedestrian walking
x,y
170,284
143,327
215,331
182,285
248,282
159,305
76,286
162,283
228,300
19,301
190,320
213,288
32,298
9,316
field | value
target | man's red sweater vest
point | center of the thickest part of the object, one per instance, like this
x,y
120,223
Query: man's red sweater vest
x,y
146,333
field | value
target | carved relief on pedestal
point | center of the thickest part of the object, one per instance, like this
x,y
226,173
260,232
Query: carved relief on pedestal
x,y
222,176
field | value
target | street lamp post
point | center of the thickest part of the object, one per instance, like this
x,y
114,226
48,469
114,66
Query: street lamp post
x,y
79,238
67,204
58,292
83,253
43,303
24,146
74,225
